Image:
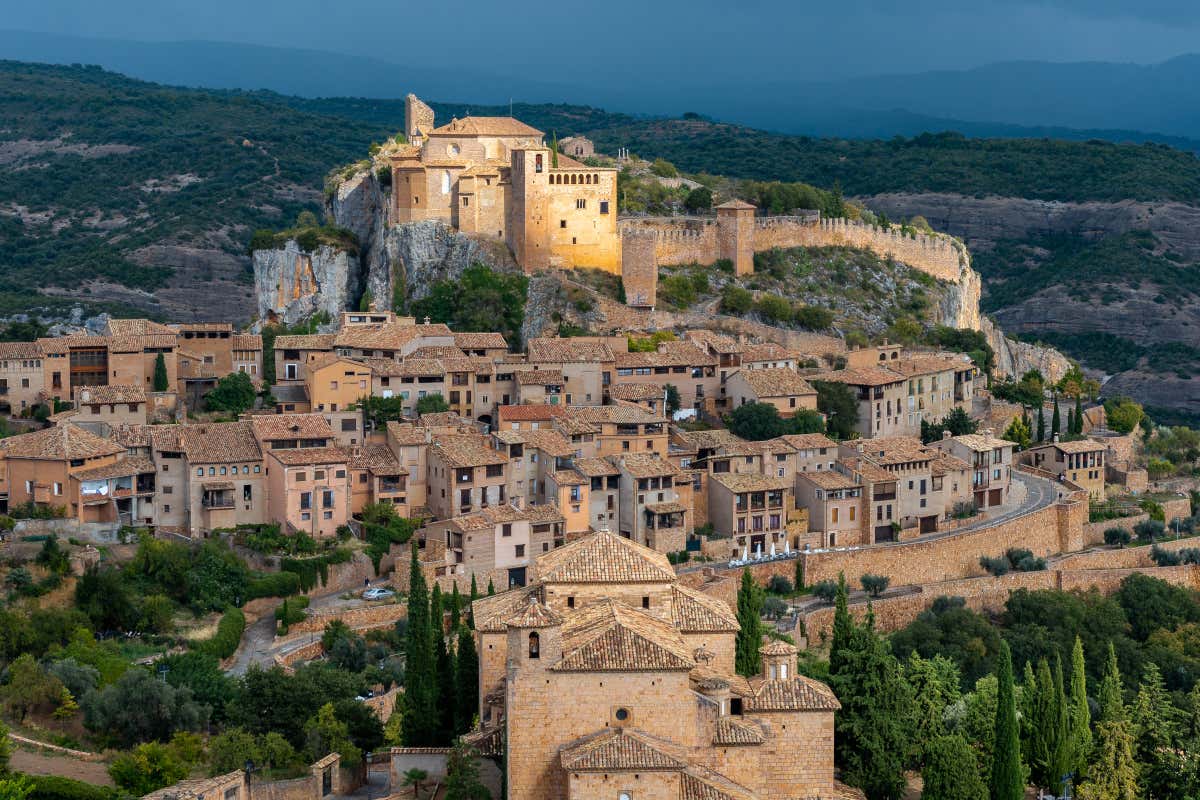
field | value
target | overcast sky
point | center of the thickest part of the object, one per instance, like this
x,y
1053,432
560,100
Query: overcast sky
x,y
656,40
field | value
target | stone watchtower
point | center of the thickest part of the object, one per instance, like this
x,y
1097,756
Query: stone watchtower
x,y
418,119
735,235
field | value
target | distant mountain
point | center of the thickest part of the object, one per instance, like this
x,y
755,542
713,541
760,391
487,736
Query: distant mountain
x,y
1117,102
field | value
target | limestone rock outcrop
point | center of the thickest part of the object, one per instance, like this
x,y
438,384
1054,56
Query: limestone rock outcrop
x,y
1014,359
293,285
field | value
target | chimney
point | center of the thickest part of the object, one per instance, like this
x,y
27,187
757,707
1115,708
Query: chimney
x,y
945,435
1056,438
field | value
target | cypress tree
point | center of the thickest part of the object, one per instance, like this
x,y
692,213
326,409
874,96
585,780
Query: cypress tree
x,y
1070,422
1078,416
161,381
418,727
1007,778
1111,695
1041,428
1055,421
749,638
1081,715
554,150
1060,751
1027,701
474,597
446,691
455,602
466,699
491,588
1040,726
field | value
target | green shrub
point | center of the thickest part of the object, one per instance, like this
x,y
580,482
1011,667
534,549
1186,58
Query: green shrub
x,y
225,642
312,570
1117,536
274,584
736,300
773,308
53,787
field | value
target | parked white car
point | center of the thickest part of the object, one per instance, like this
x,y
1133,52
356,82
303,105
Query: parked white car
x,y
378,593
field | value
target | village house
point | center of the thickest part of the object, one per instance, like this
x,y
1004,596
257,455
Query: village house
x,y
751,510
880,394
655,508
834,503
497,544
465,475
44,468
22,378
687,367
1080,461
225,482
780,387
100,409
586,366
991,461
307,485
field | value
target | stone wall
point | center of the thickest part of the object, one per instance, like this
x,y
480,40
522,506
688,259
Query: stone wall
x,y
989,594
682,240
365,617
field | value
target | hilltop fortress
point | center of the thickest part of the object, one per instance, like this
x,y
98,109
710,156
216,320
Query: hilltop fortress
x,y
497,177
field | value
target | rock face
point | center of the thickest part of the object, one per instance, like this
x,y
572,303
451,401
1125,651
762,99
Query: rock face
x,y
959,306
393,260
1015,358
293,285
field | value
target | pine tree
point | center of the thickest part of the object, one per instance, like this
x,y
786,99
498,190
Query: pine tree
x,y
1007,778
1055,421
951,771
466,698
1081,715
161,381
420,718
1041,428
1078,431
876,728
1157,726
843,625
749,637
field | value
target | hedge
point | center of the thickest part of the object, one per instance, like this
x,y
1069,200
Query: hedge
x,y
228,636
274,584
53,787
310,570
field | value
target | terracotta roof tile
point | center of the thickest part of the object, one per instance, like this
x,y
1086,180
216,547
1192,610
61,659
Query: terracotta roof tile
x,y
809,441
609,636
620,749
637,391
480,341
20,350
490,612
305,456
219,443
596,467
533,614
269,427
828,479
734,732
375,457
862,376
247,341
646,465
305,341
604,557
539,377
130,465
112,393
695,612
569,350
698,783
530,413
620,415
61,443
775,382
467,450
486,126
748,482
798,693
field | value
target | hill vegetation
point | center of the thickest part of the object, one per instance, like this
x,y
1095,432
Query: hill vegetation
x,y
96,168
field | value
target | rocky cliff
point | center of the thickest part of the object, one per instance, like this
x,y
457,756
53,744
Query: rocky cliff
x,y
1015,358
394,262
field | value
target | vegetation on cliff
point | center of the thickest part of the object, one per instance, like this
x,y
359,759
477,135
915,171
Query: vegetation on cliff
x,y
482,299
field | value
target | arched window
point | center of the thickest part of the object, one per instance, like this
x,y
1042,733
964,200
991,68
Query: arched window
x,y
596,178
587,178
446,181
883,356
573,176
534,645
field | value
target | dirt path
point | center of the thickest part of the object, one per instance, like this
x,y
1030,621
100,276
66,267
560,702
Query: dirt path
x,y
32,763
